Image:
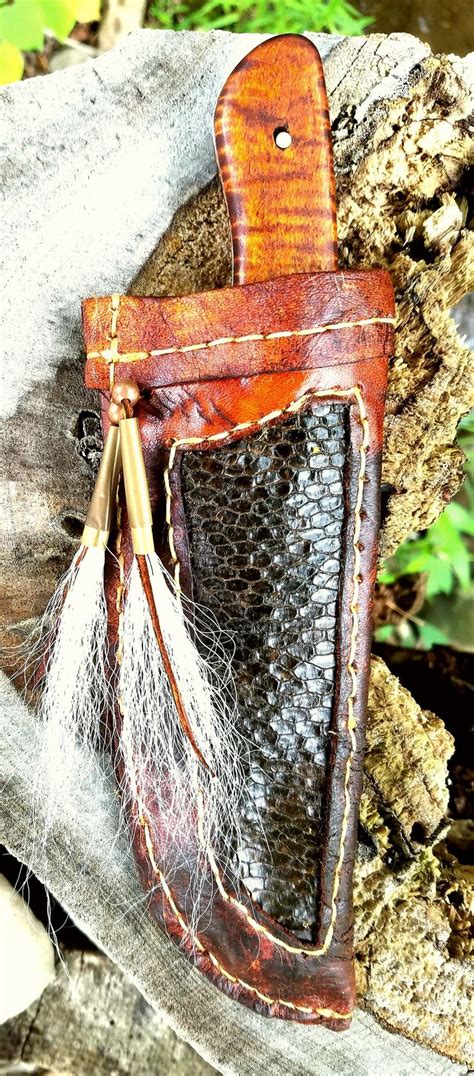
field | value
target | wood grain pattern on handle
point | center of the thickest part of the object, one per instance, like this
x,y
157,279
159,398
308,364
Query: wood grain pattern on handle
x,y
281,202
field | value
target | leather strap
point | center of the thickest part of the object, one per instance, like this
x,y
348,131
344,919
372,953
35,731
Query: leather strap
x,y
293,323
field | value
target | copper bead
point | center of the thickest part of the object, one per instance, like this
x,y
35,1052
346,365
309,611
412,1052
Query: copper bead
x,y
115,413
125,390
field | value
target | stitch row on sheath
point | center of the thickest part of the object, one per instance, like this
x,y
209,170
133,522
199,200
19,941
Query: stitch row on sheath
x,y
331,1014
112,355
113,336
293,408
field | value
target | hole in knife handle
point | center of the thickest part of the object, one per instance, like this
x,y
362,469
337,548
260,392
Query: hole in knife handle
x,y
282,137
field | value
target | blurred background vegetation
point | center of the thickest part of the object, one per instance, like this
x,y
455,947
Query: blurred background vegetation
x,y
425,592
37,36
261,16
28,25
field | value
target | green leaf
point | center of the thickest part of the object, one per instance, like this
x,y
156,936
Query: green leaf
x,y
461,518
384,633
387,575
430,635
21,24
59,17
11,63
440,578
461,564
449,544
442,532
417,562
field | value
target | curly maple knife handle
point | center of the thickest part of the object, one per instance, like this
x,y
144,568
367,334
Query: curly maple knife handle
x,y
281,201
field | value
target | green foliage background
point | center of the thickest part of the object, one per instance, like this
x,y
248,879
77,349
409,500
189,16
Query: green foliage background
x,y
443,555
260,16
24,23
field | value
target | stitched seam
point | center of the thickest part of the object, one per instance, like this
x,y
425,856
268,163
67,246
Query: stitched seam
x,y
332,1014
292,408
111,355
113,337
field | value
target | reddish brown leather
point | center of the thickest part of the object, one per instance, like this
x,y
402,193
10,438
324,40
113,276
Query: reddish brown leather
x,y
208,391
300,302
178,702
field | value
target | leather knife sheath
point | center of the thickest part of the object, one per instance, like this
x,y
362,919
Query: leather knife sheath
x,y
261,421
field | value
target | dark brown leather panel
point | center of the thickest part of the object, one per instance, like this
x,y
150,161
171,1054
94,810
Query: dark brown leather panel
x,y
243,962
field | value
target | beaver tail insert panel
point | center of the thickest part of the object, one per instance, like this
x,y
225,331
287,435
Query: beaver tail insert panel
x,y
265,526
260,416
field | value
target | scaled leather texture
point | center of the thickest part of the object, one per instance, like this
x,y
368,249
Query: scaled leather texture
x,y
264,520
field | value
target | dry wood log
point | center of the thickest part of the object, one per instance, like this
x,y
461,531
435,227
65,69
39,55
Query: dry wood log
x,y
94,1022
403,188
400,122
90,871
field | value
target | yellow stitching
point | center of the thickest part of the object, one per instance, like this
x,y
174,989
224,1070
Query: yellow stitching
x,y
293,407
113,356
168,492
332,1014
113,350
327,1013
115,310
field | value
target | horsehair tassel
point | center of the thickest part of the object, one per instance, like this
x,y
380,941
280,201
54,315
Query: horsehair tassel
x,y
160,600
179,736
69,654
